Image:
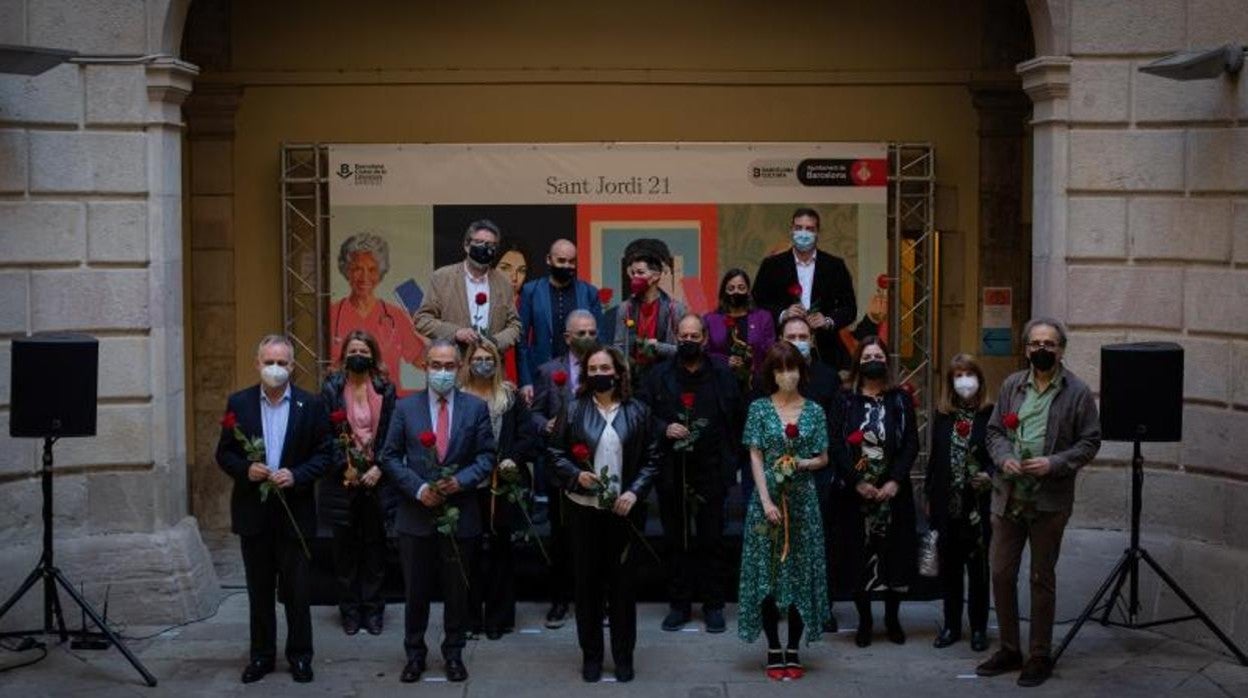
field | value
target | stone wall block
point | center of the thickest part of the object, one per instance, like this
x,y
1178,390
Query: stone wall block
x,y
88,299
1215,439
125,367
1126,26
1217,159
15,290
1126,160
117,232
116,94
1159,99
13,155
104,27
1239,227
55,97
78,161
1213,300
1188,229
1214,22
39,232
1097,227
123,436
1239,373
1139,296
1099,91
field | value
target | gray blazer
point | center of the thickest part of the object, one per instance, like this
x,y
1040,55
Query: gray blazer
x,y
1072,438
407,464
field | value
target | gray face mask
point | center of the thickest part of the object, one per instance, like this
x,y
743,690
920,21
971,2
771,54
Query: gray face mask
x,y
483,368
803,346
442,381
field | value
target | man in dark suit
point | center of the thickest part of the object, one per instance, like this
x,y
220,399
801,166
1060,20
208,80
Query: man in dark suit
x,y
554,388
458,426
545,304
290,432
808,282
694,479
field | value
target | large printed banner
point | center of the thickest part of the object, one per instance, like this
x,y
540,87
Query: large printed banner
x,y
399,211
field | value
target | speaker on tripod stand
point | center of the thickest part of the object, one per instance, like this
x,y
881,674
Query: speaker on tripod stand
x,y
1141,401
53,396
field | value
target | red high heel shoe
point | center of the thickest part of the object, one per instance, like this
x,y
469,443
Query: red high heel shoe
x,y
793,668
776,670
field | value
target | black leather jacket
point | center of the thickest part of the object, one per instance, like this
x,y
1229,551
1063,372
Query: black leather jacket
x,y
584,424
334,500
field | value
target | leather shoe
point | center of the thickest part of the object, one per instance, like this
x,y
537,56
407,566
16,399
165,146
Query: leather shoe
x,y
830,626
350,625
456,671
896,635
1036,671
373,625
557,615
591,672
256,670
946,637
714,620
1001,662
862,637
979,640
301,670
624,671
676,619
413,670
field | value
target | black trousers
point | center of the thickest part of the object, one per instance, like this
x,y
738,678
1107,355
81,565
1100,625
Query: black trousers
x,y
271,559
696,565
492,596
958,554
603,572
360,558
560,546
426,561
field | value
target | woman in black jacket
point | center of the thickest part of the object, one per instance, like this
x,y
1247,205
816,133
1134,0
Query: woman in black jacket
x,y
958,491
492,594
606,431
877,535
360,399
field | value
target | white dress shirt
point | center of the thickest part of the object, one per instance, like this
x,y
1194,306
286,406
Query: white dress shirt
x,y
805,277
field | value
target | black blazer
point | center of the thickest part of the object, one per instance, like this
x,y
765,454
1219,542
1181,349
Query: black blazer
x,y
833,291
939,467
635,426
305,453
901,437
661,392
407,464
517,440
334,500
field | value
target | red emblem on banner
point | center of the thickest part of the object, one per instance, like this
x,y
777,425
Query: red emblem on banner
x,y
869,173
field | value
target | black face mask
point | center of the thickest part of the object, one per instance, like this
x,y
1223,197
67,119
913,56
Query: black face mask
x,y
874,370
358,363
563,274
738,300
1042,359
481,254
689,351
601,383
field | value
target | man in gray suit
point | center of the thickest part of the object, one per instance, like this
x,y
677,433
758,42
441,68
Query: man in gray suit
x,y
433,431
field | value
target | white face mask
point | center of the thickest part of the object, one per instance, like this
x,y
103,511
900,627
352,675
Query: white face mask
x,y
787,380
966,386
274,376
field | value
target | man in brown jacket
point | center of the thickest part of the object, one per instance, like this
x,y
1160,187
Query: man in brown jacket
x,y
1044,428
469,299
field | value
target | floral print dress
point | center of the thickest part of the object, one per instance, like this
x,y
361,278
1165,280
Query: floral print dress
x,y
800,579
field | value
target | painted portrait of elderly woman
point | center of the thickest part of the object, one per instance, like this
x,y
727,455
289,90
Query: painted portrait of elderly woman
x,y
364,259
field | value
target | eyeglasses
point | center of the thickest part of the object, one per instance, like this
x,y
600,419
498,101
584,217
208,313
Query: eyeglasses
x,y
1042,344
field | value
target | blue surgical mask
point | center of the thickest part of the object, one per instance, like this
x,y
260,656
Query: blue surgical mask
x,y
803,240
442,381
802,346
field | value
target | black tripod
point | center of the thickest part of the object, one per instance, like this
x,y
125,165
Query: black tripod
x,y
1128,570
51,576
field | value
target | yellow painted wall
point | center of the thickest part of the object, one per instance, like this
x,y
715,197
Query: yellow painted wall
x,y
568,71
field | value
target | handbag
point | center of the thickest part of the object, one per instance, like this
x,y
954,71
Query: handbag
x,y
929,559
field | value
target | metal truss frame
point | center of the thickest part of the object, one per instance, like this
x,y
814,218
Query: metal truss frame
x,y
305,258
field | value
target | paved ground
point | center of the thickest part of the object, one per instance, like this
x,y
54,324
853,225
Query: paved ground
x,y
206,658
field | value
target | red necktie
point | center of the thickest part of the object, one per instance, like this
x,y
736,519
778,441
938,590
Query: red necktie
x,y
443,429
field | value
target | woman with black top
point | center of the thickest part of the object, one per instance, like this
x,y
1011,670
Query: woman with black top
x,y
492,594
606,431
958,491
877,535
360,397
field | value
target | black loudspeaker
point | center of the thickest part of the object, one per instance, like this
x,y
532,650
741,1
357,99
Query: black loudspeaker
x,y
54,385
1142,392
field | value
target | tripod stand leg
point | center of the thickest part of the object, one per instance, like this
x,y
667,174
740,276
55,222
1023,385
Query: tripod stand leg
x,y
1174,586
104,629
1113,595
53,606
31,578
1116,573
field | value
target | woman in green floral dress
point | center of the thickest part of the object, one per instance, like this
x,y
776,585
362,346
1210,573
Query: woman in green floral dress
x,y
782,560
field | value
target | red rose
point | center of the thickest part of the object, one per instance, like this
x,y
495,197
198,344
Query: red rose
x,y
428,439
638,285
560,377
686,399
790,431
580,452
229,421
1010,420
963,428
338,416
914,400
796,291
482,299
854,439
882,281
604,295
908,387
730,321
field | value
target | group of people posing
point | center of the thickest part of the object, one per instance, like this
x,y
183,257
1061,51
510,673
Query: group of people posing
x,y
764,390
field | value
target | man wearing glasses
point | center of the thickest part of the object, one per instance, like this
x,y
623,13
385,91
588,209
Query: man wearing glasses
x,y
1044,428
